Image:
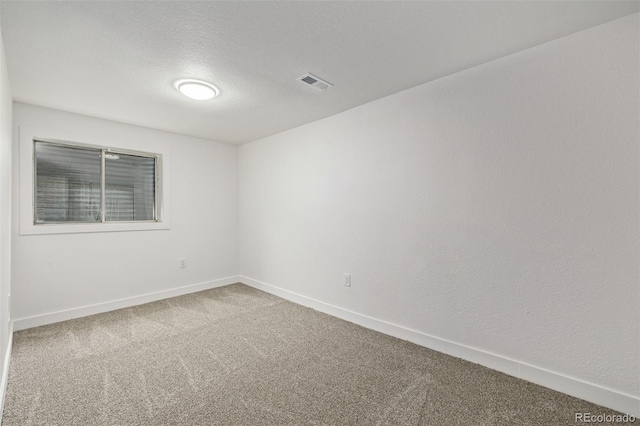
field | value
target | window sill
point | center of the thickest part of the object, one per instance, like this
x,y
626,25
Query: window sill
x,y
79,228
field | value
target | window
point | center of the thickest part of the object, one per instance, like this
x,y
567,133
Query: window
x,y
78,181
83,184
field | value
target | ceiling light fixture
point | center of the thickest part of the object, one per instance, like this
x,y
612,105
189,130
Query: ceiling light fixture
x,y
196,89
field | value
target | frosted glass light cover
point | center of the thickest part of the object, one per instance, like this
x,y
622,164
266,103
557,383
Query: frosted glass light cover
x,y
198,90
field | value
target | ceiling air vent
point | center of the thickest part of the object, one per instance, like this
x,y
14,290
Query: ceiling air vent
x,y
315,82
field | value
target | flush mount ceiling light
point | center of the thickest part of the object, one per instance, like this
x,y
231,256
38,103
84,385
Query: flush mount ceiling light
x,y
196,89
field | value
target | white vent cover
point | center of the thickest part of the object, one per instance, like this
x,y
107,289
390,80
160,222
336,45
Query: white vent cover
x,y
315,82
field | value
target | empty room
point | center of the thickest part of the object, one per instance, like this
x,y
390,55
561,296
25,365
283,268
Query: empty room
x,y
319,212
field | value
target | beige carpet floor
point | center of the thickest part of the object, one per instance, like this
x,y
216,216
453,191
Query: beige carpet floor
x,y
238,356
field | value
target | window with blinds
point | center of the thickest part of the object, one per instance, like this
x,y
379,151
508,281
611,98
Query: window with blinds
x,y
78,184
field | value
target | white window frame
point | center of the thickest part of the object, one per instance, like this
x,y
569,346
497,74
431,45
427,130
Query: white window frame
x,y
28,136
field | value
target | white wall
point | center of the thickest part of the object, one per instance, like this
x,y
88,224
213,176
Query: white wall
x,y
61,272
497,208
5,214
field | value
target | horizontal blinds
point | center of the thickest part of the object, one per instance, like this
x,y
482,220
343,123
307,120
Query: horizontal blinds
x,y
67,187
129,187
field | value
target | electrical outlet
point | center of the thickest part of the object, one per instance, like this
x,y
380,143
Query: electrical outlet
x,y
183,263
347,280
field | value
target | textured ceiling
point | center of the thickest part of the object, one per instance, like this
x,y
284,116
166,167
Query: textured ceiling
x,y
118,60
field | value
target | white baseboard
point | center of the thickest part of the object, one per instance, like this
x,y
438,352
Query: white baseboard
x,y
5,371
83,311
597,394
